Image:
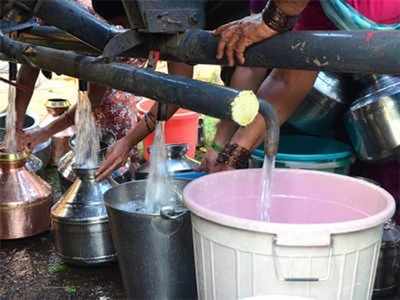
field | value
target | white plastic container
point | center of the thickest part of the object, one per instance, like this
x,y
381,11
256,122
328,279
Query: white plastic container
x,y
322,242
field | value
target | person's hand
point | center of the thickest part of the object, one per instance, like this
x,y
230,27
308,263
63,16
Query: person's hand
x,y
237,36
209,163
115,158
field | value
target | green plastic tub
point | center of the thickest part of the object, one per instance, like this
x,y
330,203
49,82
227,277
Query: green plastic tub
x,y
310,153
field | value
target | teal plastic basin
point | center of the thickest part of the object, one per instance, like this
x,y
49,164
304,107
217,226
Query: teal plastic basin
x,y
309,152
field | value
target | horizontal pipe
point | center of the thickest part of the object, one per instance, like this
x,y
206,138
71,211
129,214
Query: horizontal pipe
x,y
334,51
205,98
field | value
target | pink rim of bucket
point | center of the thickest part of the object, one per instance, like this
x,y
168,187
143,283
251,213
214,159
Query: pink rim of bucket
x,y
274,228
180,114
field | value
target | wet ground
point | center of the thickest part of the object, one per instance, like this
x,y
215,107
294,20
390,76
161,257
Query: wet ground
x,y
30,269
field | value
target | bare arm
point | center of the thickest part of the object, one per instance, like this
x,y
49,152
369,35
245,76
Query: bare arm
x,y
120,151
285,89
292,7
27,77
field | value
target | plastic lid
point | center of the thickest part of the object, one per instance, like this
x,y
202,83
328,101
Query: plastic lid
x,y
309,148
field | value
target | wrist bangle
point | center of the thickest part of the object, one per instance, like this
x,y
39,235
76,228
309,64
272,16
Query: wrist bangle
x,y
216,147
276,19
234,156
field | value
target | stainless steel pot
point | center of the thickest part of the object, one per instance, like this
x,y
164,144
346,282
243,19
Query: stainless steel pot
x,y
155,251
323,106
177,161
41,151
65,164
373,121
80,222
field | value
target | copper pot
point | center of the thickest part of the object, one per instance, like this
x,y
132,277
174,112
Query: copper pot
x,y
25,199
60,141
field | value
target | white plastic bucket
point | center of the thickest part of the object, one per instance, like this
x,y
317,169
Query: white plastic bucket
x,y
322,242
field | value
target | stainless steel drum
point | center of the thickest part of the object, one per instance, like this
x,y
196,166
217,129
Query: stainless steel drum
x,y
373,121
322,107
155,251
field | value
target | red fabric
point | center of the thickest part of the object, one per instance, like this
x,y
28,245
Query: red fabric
x,y
380,11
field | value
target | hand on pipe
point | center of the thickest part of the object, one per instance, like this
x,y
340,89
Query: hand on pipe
x,y
237,36
115,158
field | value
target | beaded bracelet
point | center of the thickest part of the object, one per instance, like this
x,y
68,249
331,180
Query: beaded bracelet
x,y
234,156
276,19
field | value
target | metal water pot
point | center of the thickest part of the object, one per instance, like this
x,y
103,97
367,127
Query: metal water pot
x,y
80,222
387,274
322,107
25,199
59,141
373,120
65,165
41,151
155,251
177,161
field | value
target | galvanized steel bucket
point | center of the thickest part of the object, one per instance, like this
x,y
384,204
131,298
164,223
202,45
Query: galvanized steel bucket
x,y
155,251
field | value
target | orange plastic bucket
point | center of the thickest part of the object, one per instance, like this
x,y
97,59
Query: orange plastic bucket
x,y
182,128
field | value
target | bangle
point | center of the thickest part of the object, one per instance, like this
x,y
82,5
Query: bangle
x,y
234,156
216,147
276,19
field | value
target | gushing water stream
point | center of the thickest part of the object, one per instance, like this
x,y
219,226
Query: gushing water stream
x,y
10,141
266,194
159,188
87,135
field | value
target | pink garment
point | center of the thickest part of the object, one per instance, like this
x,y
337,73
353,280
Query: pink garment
x,y
313,17
380,11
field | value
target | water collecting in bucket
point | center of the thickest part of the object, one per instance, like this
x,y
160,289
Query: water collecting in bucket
x,y
159,188
266,197
10,142
87,135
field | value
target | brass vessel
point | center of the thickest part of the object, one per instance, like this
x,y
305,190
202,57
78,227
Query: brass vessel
x,y
60,141
25,199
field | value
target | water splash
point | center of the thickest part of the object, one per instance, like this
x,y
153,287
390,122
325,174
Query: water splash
x,y
87,135
266,195
159,187
10,141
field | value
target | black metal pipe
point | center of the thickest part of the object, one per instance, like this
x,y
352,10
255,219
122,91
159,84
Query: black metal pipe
x,y
335,51
191,94
205,98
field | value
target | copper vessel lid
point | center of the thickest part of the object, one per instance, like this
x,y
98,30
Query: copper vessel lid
x,y
57,103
